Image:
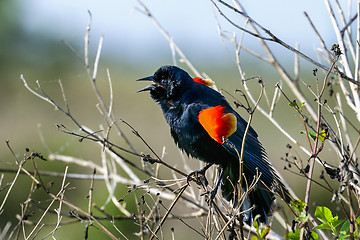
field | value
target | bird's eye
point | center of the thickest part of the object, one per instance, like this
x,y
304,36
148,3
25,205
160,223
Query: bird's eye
x,y
163,81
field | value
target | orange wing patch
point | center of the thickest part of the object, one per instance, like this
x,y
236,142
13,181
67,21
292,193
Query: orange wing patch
x,y
218,125
204,81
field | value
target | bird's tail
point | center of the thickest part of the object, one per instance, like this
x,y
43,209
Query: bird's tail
x,y
256,199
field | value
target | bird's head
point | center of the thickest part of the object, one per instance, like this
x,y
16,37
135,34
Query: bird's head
x,y
169,83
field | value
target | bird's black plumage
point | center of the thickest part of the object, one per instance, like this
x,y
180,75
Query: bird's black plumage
x,y
181,100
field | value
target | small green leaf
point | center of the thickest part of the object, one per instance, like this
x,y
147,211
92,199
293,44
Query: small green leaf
x,y
336,223
323,226
293,235
264,232
254,238
293,104
323,135
345,227
301,106
303,218
298,205
314,236
323,214
343,236
255,223
358,220
312,135
296,235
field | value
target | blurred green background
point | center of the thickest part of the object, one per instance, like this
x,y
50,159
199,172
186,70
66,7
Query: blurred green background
x,y
31,35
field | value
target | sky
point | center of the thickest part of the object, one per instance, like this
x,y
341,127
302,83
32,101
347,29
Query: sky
x,y
192,24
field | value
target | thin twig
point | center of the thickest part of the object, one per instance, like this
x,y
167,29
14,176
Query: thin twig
x,y
168,211
91,190
274,38
173,45
15,178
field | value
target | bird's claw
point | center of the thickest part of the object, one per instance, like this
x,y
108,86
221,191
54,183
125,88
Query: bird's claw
x,y
212,195
198,177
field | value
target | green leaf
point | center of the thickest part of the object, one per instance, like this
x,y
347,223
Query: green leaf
x,y
323,226
296,235
343,236
345,227
302,105
256,225
336,222
303,217
324,214
293,235
293,104
264,232
312,135
254,238
298,205
358,220
314,235
323,135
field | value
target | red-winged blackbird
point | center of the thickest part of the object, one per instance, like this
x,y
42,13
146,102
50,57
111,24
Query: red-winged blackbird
x,y
203,124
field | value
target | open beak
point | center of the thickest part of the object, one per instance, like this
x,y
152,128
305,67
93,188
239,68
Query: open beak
x,y
149,78
147,88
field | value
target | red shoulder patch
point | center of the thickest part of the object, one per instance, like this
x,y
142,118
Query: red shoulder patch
x,y
204,81
218,125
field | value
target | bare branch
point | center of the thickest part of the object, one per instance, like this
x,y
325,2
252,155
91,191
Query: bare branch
x,y
173,45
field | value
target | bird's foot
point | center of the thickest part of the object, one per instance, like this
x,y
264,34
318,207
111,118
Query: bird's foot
x,y
214,191
212,195
198,177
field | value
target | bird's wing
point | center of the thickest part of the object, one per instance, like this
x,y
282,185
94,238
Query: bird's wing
x,y
254,156
256,160
227,128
